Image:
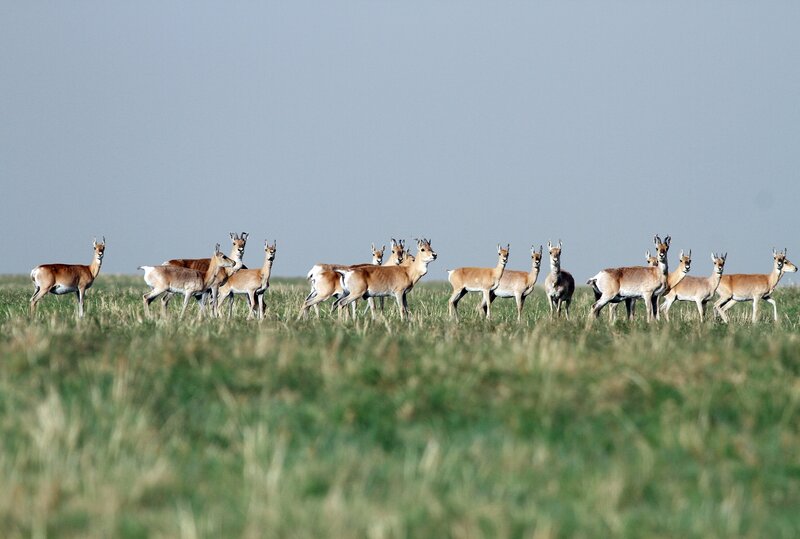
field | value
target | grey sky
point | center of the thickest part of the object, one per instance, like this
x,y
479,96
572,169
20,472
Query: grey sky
x,y
331,125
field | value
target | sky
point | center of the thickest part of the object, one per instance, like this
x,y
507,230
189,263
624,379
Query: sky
x,y
328,126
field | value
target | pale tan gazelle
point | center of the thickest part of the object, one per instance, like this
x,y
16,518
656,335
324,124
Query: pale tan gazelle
x,y
630,303
380,281
632,282
697,289
326,283
739,287
66,278
186,281
396,256
251,282
482,280
238,243
559,285
517,284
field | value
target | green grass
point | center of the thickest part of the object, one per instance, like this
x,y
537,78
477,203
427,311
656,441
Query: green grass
x,y
123,426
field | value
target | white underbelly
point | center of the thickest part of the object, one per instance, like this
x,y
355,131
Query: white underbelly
x,y
501,293
61,289
472,289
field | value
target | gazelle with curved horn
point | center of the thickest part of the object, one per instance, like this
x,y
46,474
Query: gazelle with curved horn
x,y
559,285
739,287
381,281
186,281
618,284
517,284
251,282
66,278
238,243
697,289
482,280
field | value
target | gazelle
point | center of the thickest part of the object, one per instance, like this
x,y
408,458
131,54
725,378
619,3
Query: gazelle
x,y
697,289
316,269
326,283
65,278
559,285
630,303
186,281
482,280
380,281
517,284
238,243
739,287
253,282
632,282
397,253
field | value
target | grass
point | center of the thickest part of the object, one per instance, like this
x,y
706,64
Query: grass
x,y
118,425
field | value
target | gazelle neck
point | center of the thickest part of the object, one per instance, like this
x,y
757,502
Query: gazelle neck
x,y
533,275
94,267
211,273
677,276
775,276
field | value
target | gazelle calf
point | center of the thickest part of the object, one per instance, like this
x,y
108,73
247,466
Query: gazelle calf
x,y
482,280
739,287
252,282
179,280
66,278
697,289
381,281
618,284
238,243
516,284
326,283
559,285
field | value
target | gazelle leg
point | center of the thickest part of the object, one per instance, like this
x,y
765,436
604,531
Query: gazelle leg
x,y
648,305
520,299
701,307
755,310
567,303
453,302
81,295
719,305
186,297
599,304
487,301
774,308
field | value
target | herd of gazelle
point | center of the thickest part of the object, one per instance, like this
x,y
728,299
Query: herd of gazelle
x,y
221,277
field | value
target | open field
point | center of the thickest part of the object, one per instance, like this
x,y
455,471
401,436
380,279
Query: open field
x,y
121,426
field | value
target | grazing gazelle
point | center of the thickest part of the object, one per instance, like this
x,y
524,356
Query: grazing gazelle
x,y
252,282
380,281
201,264
517,284
697,289
559,285
65,278
326,283
186,281
482,280
617,284
739,287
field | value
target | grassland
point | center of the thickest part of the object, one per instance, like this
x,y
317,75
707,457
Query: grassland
x,y
122,426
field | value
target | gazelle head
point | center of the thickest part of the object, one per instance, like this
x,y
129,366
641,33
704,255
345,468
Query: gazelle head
x,y
424,251
270,250
397,251
661,248
685,261
238,242
536,257
719,262
99,249
555,254
377,255
502,253
220,259
651,260
782,264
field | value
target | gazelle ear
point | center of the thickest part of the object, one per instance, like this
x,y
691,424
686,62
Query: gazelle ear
x,y
383,248
725,256
774,252
104,240
94,242
498,248
540,250
713,257
667,240
549,245
656,240
244,236
690,253
647,254
216,248
681,255
373,247
233,236
559,243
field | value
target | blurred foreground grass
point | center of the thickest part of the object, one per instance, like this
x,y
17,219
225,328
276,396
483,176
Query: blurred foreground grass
x,y
123,426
